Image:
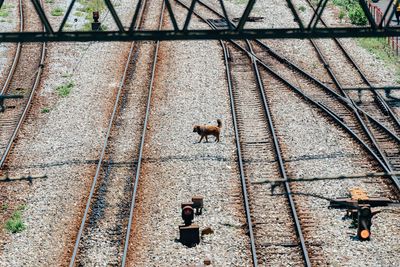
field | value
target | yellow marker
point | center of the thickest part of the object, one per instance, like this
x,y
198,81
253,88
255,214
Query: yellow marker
x,y
358,194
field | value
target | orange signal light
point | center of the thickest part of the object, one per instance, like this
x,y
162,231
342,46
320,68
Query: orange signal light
x,y
364,234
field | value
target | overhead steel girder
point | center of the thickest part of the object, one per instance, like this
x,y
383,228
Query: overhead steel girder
x,y
239,31
196,35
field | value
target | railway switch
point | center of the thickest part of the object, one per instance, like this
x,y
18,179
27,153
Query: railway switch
x,y
358,208
189,234
4,97
198,204
96,24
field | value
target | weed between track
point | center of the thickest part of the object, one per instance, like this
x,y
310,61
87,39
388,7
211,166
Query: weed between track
x,y
15,223
65,89
58,11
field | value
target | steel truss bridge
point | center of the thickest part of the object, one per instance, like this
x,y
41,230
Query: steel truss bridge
x,y
305,29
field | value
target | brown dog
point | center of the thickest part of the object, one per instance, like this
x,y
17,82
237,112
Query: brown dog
x,y
206,130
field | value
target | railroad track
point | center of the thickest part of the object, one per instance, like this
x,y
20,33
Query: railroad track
x,y
23,79
106,224
369,100
255,135
382,142
257,149
261,152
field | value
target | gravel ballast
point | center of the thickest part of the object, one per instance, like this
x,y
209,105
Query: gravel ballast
x,y
190,89
62,143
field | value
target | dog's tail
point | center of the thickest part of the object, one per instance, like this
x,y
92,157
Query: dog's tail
x,y
219,123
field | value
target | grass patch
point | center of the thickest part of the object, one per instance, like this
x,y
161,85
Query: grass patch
x,y
302,8
4,206
45,110
353,10
242,2
58,11
79,13
5,10
21,207
65,89
381,50
15,223
49,1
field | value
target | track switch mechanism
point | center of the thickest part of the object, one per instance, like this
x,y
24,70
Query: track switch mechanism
x,y
358,208
189,233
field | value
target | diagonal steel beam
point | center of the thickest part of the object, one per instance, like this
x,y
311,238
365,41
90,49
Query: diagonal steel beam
x,y
66,15
245,15
189,15
317,14
171,15
42,16
136,15
225,14
384,15
1,3
114,15
368,14
391,13
295,14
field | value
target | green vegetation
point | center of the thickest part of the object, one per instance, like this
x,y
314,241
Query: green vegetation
x,y
353,11
79,13
58,11
21,207
341,15
45,110
67,25
4,206
15,223
87,9
49,1
64,89
5,10
241,2
302,8
381,50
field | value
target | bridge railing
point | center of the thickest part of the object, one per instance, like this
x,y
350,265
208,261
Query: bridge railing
x,y
377,13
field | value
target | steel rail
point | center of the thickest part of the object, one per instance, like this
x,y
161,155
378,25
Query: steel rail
x,y
382,160
31,95
376,94
17,53
105,145
361,73
298,91
238,150
343,99
240,159
139,163
321,106
351,105
278,153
